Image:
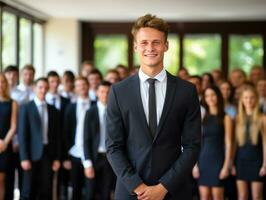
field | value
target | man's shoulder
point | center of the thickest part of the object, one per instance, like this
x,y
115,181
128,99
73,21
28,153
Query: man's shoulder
x,y
124,84
180,82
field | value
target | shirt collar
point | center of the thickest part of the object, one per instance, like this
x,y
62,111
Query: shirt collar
x,y
24,87
101,105
159,77
51,96
80,101
38,102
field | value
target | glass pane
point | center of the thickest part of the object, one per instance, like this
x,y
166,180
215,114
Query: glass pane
x,y
245,51
24,42
202,53
38,49
110,50
171,57
9,39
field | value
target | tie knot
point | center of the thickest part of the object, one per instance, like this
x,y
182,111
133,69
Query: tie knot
x,y
151,81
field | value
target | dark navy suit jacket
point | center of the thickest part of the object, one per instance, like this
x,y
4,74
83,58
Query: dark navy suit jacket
x,y
167,158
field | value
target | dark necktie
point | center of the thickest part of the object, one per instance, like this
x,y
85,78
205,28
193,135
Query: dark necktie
x,y
152,107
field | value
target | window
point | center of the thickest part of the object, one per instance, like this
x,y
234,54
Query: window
x,y
110,50
9,39
202,53
24,42
245,51
38,49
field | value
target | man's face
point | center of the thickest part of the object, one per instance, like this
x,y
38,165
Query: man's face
x,y
41,89
27,76
68,84
237,79
94,80
150,45
112,77
102,94
86,69
54,82
81,88
12,78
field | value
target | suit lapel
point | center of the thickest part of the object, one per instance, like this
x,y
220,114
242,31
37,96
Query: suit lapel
x,y
139,106
35,112
97,119
168,102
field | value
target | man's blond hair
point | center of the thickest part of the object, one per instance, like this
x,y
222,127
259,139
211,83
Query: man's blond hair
x,y
150,21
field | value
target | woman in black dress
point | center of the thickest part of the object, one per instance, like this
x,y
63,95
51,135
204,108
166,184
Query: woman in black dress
x,y
8,118
250,155
216,151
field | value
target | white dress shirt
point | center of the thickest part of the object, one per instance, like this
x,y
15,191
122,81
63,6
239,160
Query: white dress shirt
x,y
77,150
53,98
42,105
102,122
92,95
160,91
68,95
28,93
17,95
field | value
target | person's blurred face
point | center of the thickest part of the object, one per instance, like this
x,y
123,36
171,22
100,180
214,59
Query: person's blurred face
x,y
205,82
237,79
54,82
197,83
256,74
261,88
225,90
150,45
183,74
86,69
12,78
122,73
27,77
41,89
210,98
94,80
81,88
217,76
112,77
102,94
68,84
248,99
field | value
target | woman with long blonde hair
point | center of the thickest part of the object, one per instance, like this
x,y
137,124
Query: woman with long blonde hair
x,y
8,120
250,155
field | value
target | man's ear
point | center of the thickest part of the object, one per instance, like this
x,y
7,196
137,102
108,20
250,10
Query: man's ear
x,y
166,46
135,46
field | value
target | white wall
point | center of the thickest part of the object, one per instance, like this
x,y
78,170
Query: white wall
x,y
62,45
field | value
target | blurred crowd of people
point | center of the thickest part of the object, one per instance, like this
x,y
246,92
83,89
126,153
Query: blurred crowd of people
x,y
53,130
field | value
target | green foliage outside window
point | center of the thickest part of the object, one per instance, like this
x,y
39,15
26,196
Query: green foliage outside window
x,y
110,50
202,53
245,51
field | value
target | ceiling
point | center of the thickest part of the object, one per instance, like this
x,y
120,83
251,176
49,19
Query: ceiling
x,y
128,10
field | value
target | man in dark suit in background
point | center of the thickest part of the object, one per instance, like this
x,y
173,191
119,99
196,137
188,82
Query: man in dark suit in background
x,y
39,144
154,125
74,135
60,180
99,172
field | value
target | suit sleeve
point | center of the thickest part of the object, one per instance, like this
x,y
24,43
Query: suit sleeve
x,y
87,137
191,137
67,132
116,145
23,133
58,134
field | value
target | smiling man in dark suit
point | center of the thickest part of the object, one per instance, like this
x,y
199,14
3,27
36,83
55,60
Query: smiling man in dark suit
x,y
153,123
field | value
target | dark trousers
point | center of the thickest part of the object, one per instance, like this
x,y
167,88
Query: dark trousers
x,y
101,186
13,164
78,179
37,182
63,183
